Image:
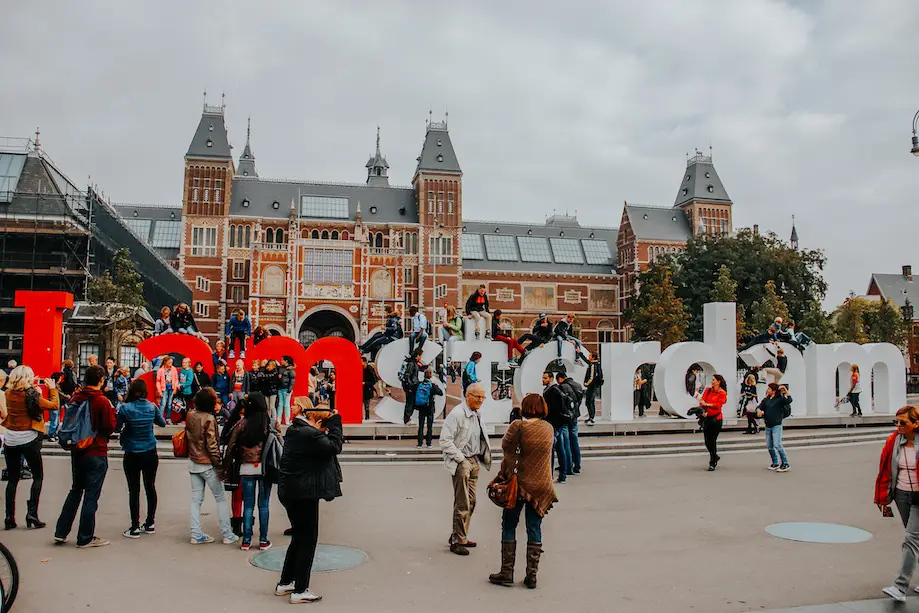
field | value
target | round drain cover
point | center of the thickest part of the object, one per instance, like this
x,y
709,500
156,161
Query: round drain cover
x,y
328,558
816,532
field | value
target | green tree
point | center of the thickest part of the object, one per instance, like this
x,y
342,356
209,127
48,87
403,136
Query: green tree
x,y
818,325
849,319
884,323
725,290
752,259
764,311
119,290
657,313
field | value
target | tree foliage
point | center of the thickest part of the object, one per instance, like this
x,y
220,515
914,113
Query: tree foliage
x,y
752,260
658,314
120,290
859,320
765,310
725,290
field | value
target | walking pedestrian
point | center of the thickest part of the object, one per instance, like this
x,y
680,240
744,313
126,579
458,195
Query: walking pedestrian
x,y
713,399
134,421
309,473
243,457
88,465
470,374
527,447
593,384
774,408
424,404
559,417
855,390
465,446
638,391
25,429
748,397
204,467
575,393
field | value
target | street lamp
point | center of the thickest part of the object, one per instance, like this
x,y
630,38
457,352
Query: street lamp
x,y
915,149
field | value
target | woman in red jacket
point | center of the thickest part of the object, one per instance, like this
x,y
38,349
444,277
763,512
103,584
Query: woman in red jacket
x,y
898,482
713,398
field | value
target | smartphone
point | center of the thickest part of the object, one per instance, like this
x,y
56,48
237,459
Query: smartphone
x,y
887,511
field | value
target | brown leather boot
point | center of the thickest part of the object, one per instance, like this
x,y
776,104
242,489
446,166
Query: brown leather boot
x,y
534,550
508,557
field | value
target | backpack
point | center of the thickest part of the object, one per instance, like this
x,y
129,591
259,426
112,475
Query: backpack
x,y
429,328
572,408
408,372
76,431
423,394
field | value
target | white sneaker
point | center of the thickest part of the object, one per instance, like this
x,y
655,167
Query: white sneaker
x,y
892,591
284,590
916,589
230,540
308,596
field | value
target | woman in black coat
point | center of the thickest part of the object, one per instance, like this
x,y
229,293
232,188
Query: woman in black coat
x,y
309,473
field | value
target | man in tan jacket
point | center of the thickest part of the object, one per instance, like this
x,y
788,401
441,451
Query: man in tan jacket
x,y
465,446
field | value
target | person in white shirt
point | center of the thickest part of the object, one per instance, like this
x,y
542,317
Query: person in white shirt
x,y
465,446
419,329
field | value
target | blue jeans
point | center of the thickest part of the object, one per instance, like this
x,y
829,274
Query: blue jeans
x,y
774,444
88,477
418,335
198,481
284,405
511,517
52,422
574,449
577,344
264,496
561,446
166,402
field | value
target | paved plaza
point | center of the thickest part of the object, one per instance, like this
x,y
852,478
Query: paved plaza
x,y
657,534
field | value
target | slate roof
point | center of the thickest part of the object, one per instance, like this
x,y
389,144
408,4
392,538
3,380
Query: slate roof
x,y
41,189
246,165
658,223
378,204
701,182
506,228
892,286
437,153
155,214
211,129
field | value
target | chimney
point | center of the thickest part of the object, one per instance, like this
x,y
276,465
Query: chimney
x,y
907,272
756,229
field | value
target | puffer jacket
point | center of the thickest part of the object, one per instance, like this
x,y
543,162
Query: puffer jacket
x,y
309,464
201,435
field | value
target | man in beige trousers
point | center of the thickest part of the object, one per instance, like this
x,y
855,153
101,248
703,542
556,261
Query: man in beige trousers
x,y
465,446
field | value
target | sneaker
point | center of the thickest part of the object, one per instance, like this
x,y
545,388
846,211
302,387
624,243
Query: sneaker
x,y
245,546
784,468
429,446
202,540
477,336
419,446
149,528
895,593
132,533
242,354
488,336
560,362
284,590
306,596
60,540
513,363
230,540
96,542
264,545
232,355
459,549
773,467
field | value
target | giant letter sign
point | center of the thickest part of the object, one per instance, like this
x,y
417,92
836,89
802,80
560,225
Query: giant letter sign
x,y
389,361
44,327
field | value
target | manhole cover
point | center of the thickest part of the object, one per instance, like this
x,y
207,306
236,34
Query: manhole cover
x,y
815,532
328,558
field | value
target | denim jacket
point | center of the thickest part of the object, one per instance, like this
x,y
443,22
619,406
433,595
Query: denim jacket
x,y
135,421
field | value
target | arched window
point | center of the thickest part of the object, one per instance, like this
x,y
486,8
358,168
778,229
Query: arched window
x,y
605,331
345,236
232,236
273,281
239,236
248,235
378,241
269,236
315,235
325,235
334,235
279,236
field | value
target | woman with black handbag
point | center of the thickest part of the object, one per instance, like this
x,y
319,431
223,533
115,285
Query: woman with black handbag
x,y
524,485
309,473
713,399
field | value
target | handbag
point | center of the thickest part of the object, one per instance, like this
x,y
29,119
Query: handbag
x,y
179,444
503,490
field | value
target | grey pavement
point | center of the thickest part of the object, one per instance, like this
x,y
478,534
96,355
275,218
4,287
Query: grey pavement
x,y
658,534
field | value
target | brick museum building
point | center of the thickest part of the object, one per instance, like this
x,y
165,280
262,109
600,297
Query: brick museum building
x,y
311,258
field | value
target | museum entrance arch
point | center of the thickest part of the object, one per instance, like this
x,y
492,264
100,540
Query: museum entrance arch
x,y
326,320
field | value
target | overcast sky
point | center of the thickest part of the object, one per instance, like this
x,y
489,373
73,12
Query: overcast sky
x,y
577,107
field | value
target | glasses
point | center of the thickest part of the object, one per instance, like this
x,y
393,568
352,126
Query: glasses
x,y
901,422
477,396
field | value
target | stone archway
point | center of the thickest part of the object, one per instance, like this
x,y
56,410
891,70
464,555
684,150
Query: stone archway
x,y
326,320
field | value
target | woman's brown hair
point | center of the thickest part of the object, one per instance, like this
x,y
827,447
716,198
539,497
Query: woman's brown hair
x,y
534,406
911,412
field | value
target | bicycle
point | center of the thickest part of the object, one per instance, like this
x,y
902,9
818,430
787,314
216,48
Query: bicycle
x,y
9,579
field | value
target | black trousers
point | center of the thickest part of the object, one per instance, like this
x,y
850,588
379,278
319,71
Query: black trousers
x,y
535,341
14,455
304,525
426,418
409,402
591,400
855,402
711,428
137,465
88,477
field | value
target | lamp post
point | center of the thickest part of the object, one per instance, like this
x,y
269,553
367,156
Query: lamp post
x,y
908,321
915,149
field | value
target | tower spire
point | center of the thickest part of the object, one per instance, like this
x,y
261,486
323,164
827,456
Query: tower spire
x,y
378,140
794,234
377,167
246,166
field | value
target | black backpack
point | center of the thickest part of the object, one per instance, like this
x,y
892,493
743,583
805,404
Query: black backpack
x,y
571,406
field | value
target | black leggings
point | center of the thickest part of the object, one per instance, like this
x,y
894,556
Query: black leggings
x,y
304,524
711,428
135,465
854,401
32,454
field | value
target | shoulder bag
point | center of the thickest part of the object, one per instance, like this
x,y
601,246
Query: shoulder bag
x,y
503,489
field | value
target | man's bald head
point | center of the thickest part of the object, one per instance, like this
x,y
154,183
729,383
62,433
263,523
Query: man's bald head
x,y
475,396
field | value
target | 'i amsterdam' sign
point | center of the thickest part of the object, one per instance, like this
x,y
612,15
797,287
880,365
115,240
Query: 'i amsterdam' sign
x,y
811,375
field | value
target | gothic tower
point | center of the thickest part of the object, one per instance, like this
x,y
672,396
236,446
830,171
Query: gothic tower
x,y
209,173
438,184
377,167
703,197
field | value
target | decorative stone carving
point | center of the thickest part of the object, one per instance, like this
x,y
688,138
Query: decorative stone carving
x,y
572,296
328,291
273,306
